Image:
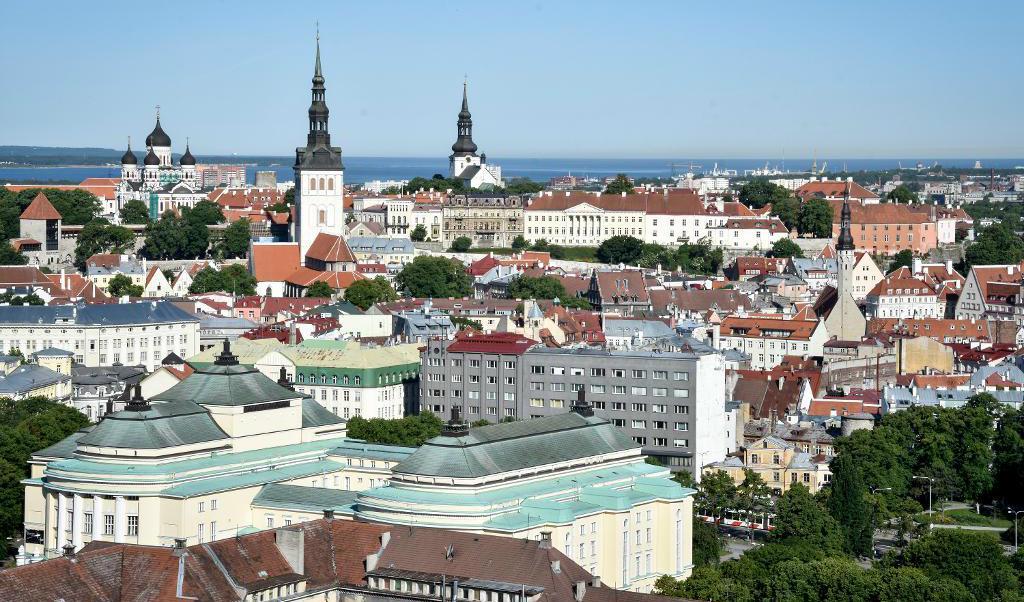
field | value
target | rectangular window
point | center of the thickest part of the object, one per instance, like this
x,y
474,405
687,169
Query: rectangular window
x,y
108,524
557,370
597,388
200,532
87,522
133,525
639,390
510,365
659,392
536,369
660,375
680,392
681,376
639,374
558,387
618,390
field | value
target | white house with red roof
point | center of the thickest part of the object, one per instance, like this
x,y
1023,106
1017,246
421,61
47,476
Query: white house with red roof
x,y
903,295
835,190
992,292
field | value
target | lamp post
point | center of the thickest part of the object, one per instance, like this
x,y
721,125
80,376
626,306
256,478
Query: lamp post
x,y
1015,513
931,518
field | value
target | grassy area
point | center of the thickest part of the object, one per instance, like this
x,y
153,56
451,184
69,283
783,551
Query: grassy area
x,y
963,516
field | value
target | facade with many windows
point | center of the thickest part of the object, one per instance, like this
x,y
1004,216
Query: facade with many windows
x,y
140,333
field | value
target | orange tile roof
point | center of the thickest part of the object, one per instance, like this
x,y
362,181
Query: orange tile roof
x,y
40,209
902,283
932,327
337,280
273,262
834,189
330,249
880,213
778,328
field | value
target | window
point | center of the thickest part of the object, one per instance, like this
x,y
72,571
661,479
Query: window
x,y
639,424
557,370
200,532
659,392
639,374
108,524
133,525
680,392
597,388
660,375
576,371
618,390
619,373
558,387
597,371
536,369
681,376
492,364
270,522
202,506
87,522
639,390
682,426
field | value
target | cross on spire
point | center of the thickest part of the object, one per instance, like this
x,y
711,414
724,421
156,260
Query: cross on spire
x,y
158,112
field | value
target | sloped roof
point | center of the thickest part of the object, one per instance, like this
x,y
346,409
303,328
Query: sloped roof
x,y
163,425
834,189
330,249
308,499
506,343
314,414
337,280
274,262
227,385
498,448
40,208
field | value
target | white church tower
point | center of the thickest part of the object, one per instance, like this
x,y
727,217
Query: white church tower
x,y
845,321
319,174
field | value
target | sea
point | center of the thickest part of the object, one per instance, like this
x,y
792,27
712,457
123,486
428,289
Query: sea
x,y
365,169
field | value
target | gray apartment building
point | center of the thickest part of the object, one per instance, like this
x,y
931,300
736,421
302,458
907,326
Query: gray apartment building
x,y
671,403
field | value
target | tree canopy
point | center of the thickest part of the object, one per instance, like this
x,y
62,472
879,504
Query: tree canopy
x,y
320,289
418,234
178,237
996,244
787,209
427,276
904,258
236,240
523,186
620,249
364,293
815,218
135,212
8,256
461,244
411,431
100,236
758,193
620,184
539,287
785,247
901,194
234,279
121,285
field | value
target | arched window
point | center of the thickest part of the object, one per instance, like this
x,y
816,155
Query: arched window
x,y
321,184
330,183
312,183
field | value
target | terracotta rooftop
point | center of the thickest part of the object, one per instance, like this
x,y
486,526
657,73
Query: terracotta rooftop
x,y
504,343
330,249
274,262
40,209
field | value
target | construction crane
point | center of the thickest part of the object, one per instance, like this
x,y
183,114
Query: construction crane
x,y
688,166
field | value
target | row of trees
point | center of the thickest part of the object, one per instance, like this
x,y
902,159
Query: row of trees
x,y
699,257
427,276
808,557
411,431
544,287
812,217
26,426
441,183
994,245
187,236
77,207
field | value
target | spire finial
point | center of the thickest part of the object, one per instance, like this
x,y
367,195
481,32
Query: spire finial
x,y
129,141
317,73
158,112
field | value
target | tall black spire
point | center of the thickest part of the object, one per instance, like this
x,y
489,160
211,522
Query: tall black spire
x,y
318,152
464,145
845,242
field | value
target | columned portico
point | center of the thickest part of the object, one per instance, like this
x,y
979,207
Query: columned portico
x,y
97,517
120,519
76,521
62,520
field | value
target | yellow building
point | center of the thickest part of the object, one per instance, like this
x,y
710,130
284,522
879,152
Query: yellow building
x,y
781,464
49,376
920,353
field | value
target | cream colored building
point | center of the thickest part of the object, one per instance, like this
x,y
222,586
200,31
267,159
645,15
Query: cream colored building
x,y
780,463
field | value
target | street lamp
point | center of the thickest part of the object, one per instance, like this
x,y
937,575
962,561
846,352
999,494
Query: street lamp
x,y
931,518
1015,513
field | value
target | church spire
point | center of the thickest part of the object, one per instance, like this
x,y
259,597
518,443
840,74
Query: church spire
x,y
318,113
464,144
845,242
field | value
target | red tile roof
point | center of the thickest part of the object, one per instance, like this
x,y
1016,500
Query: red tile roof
x,y
274,262
504,343
337,280
483,265
40,209
834,189
330,249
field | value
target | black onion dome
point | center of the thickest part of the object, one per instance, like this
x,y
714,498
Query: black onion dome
x,y
158,137
129,158
187,158
151,158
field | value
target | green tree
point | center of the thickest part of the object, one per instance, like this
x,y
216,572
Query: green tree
x,y
437,182
289,196
519,243
461,244
785,247
418,234
995,245
536,287
135,212
236,239
233,279
787,209
753,497
1008,458
716,494
435,277
76,207
620,184
848,505
411,430
8,256
901,194
206,213
321,289
121,285
707,543
758,193
974,559
815,218
523,186
99,236
364,293
463,323
901,259
799,517
620,249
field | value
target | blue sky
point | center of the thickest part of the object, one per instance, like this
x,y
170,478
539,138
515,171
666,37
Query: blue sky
x,y
546,79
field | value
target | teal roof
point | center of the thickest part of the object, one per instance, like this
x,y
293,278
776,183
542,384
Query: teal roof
x,y
64,448
250,479
230,385
517,445
314,414
162,425
372,451
306,499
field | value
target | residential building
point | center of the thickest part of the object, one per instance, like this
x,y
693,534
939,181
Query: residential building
x,y
622,292
749,234
487,219
49,378
836,190
768,338
104,334
887,228
100,390
394,253
781,464
901,295
990,293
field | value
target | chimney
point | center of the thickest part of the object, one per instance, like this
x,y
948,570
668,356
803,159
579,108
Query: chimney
x,y
292,338
556,566
949,266
329,513
595,581
291,544
69,550
178,549
545,540
579,590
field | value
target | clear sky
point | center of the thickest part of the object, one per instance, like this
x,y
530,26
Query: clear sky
x,y
594,79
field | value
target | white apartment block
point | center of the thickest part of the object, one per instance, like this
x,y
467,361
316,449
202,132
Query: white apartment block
x,y
767,338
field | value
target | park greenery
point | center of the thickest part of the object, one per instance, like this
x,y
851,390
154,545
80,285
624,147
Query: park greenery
x,y
320,290
364,293
10,298
815,218
76,207
544,287
8,256
135,212
904,258
461,244
184,236
760,192
121,285
785,248
418,234
100,236
27,425
900,194
699,257
233,279
410,431
995,244
235,242
429,276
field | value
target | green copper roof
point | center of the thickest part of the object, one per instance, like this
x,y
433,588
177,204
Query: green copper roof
x,y
314,414
162,425
511,446
64,448
231,385
307,499
250,479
